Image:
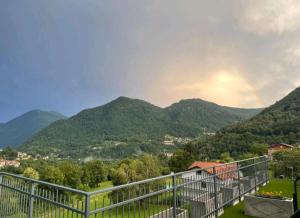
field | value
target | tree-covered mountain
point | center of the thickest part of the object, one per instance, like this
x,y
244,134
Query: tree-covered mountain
x,y
20,129
278,123
200,114
131,125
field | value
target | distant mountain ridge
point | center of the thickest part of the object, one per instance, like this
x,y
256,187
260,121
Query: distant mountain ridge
x,y
281,118
131,120
210,116
278,123
16,131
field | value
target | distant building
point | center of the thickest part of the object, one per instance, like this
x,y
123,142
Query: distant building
x,y
278,147
225,174
5,163
168,154
23,156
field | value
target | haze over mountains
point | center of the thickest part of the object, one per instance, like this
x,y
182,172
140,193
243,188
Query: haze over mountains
x,y
18,130
126,121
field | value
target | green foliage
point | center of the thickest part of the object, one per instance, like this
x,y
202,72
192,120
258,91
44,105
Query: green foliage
x,y
259,149
31,173
8,153
66,172
247,155
286,163
72,173
53,174
226,158
18,130
126,127
141,168
94,172
210,116
180,161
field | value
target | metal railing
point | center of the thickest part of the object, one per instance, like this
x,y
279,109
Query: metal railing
x,y
296,197
194,193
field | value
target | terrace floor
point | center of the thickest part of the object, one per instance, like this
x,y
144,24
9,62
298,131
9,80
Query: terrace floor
x,y
278,185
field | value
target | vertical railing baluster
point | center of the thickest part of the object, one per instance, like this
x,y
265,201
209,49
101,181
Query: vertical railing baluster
x,y
239,181
174,194
266,168
31,199
215,191
87,205
255,182
1,181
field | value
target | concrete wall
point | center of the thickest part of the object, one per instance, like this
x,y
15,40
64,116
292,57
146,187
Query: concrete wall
x,y
267,207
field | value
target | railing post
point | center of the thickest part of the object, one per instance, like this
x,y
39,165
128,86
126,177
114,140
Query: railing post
x,y
215,191
1,180
239,181
174,194
255,182
295,195
266,168
87,206
31,199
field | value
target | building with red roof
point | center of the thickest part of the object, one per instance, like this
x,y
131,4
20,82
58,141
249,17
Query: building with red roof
x,y
278,147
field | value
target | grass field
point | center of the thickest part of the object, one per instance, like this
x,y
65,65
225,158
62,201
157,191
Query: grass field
x,y
279,185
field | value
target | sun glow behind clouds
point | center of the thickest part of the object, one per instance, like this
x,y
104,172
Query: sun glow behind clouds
x,y
223,87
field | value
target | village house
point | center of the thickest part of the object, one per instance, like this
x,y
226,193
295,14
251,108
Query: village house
x,y
278,147
23,156
5,163
225,174
200,186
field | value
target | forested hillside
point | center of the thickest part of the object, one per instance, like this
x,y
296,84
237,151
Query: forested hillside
x,y
205,115
18,130
129,126
277,123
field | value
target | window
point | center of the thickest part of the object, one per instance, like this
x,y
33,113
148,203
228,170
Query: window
x,y
199,172
203,184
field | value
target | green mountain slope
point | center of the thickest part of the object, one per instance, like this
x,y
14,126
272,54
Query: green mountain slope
x,y
279,120
205,115
126,122
278,123
18,130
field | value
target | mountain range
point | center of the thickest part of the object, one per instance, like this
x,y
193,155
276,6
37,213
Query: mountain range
x,y
280,120
125,122
279,123
20,129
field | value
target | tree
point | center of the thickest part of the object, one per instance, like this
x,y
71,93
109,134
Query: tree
x,y
119,176
247,155
226,158
53,174
259,149
31,173
94,172
180,161
9,153
72,172
144,167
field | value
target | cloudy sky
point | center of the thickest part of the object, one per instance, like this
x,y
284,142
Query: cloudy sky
x,y
72,54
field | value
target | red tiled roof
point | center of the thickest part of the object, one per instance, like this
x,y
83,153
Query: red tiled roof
x,y
223,171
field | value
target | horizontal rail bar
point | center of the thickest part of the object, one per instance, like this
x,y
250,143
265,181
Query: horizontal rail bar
x,y
43,199
169,176
76,191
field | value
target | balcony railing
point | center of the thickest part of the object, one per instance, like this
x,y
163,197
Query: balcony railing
x,y
196,193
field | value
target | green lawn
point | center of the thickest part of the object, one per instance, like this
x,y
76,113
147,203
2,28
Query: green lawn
x,y
103,185
278,185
